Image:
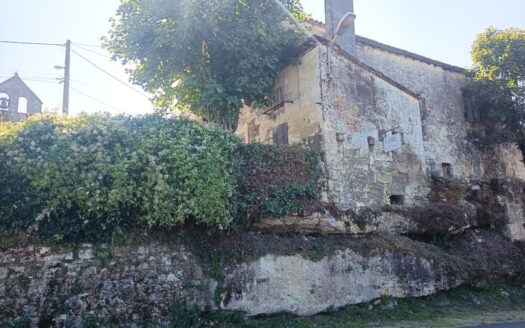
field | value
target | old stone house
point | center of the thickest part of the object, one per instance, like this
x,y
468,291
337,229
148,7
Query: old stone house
x,y
17,100
385,119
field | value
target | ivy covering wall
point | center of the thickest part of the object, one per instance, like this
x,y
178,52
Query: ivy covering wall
x,y
86,177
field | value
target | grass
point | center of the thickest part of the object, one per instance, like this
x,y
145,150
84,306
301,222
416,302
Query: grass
x,y
432,311
448,309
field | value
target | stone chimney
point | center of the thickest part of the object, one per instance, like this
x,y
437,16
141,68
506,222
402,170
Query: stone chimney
x,y
340,27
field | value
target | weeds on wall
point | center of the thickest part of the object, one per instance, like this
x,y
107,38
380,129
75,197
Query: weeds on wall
x,y
274,181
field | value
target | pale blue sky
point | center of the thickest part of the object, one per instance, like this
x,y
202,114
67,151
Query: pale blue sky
x,y
440,29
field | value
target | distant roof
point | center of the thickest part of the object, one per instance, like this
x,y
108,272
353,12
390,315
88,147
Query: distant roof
x,y
408,54
17,79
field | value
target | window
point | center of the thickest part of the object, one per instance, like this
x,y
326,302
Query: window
x,y
280,134
22,105
4,101
447,170
276,100
397,199
277,97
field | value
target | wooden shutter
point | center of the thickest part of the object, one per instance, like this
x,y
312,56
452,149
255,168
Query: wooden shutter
x,y
280,134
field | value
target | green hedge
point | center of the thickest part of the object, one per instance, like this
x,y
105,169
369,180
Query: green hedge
x,y
90,175
83,178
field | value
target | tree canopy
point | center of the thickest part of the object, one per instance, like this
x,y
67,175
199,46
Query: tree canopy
x,y
497,91
499,55
208,56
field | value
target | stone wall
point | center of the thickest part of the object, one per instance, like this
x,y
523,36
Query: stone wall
x,y
504,160
360,109
126,286
449,137
136,285
445,129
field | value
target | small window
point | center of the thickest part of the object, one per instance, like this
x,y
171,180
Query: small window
x,y
4,101
276,100
447,170
22,105
277,97
253,131
397,199
280,134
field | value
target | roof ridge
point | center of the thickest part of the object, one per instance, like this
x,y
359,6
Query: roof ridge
x,y
370,69
406,53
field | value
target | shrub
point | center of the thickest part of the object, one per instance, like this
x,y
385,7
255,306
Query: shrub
x,y
274,180
91,175
84,178
19,200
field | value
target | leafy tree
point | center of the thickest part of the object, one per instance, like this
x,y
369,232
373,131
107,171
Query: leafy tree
x,y
499,55
497,92
208,56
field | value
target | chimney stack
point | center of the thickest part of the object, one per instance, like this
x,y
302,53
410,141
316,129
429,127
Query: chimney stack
x,y
340,24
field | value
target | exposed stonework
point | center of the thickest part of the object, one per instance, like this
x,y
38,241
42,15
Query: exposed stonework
x,y
360,109
354,104
323,222
134,286
445,129
504,160
510,195
453,206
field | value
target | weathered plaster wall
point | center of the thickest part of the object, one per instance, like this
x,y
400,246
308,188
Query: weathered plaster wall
x,y
357,105
445,129
301,110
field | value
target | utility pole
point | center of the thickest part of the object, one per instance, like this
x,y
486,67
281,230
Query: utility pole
x,y
65,102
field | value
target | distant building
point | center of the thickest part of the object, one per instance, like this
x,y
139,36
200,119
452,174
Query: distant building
x,y
17,101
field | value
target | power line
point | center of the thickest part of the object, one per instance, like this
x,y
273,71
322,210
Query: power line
x,y
92,51
88,45
24,72
97,100
33,43
42,81
108,73
31,76
90,85
34,80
